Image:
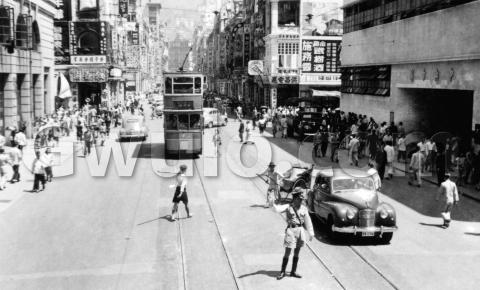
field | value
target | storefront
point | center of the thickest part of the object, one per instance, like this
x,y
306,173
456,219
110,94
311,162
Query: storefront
x,y
89,83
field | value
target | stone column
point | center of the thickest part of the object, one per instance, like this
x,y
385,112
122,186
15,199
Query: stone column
x,y
26,111
38,96
10,101
51,88
274,16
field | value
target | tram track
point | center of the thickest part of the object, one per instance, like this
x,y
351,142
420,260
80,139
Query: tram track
x,y
312,250
328,268
322,261
183,267
217,227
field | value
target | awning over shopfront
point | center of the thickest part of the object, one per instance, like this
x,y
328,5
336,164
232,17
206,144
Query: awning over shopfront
x,y
318,93
64,90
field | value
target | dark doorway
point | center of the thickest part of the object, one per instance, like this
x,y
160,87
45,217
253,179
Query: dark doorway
x,y
90,92
445,111
287,95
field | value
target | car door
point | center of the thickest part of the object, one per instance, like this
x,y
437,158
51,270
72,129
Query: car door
x,y
321,195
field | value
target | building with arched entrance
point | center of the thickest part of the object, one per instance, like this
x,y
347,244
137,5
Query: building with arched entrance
x,y
27,88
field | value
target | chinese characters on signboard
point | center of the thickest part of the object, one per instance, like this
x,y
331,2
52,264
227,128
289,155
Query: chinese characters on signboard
x,y
320,56
88,75
284,80
246,44
123,7
273,97
133,37
87,59
132,56
183,105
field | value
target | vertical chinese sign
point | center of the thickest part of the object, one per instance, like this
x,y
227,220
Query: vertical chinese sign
x,y
123,8
320,56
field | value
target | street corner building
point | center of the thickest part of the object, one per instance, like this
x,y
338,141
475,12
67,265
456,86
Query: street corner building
x,y
416,62
27,89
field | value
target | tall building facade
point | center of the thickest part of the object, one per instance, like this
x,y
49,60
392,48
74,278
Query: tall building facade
x,y
27,85
302,53
413,61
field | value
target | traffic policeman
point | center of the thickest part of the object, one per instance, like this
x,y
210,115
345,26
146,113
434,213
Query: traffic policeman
x,y
298,220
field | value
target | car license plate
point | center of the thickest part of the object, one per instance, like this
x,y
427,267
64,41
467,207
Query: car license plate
x,y
368,234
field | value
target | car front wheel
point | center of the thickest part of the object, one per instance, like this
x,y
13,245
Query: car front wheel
x,y
386,238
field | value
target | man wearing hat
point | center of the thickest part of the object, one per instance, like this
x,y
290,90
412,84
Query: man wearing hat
x,y
273,179
298,220
448,191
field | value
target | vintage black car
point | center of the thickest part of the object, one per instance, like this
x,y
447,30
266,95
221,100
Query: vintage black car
x,y
347,202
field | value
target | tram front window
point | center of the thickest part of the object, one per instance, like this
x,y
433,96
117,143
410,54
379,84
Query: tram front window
x,y
183,88
168,85
195,121
183,122
198,85
172,122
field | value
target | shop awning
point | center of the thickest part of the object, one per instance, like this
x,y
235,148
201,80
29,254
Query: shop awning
x,y
64,90
318,93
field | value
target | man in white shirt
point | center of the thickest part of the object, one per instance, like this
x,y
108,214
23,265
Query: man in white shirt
x,y
47,159
390,158
402,149
21,140
449,193
38,170
353,150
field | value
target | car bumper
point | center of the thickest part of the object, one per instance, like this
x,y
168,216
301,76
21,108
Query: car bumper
x,y
133,135
369,230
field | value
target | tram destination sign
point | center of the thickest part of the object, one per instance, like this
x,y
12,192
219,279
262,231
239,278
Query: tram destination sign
x,y
183,105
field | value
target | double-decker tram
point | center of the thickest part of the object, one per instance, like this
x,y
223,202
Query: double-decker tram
x,y
183,104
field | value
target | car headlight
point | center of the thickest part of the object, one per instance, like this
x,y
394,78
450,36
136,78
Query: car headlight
x,y
350,214
383,213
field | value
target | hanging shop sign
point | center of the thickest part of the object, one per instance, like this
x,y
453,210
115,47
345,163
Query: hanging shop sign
x,y
320,56
273,97
123,8
284,79
115,73
88,75
246,47
333,79
255,67
88,59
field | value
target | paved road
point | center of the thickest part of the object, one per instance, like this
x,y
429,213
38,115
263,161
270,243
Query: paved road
x,y
113,232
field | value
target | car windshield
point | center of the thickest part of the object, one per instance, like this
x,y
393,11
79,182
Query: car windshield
x,y
133,124
352,184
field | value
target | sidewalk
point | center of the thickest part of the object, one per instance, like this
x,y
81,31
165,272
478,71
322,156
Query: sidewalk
x,y
466,190
63,155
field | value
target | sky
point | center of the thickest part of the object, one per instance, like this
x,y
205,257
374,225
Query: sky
x,y
181,16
